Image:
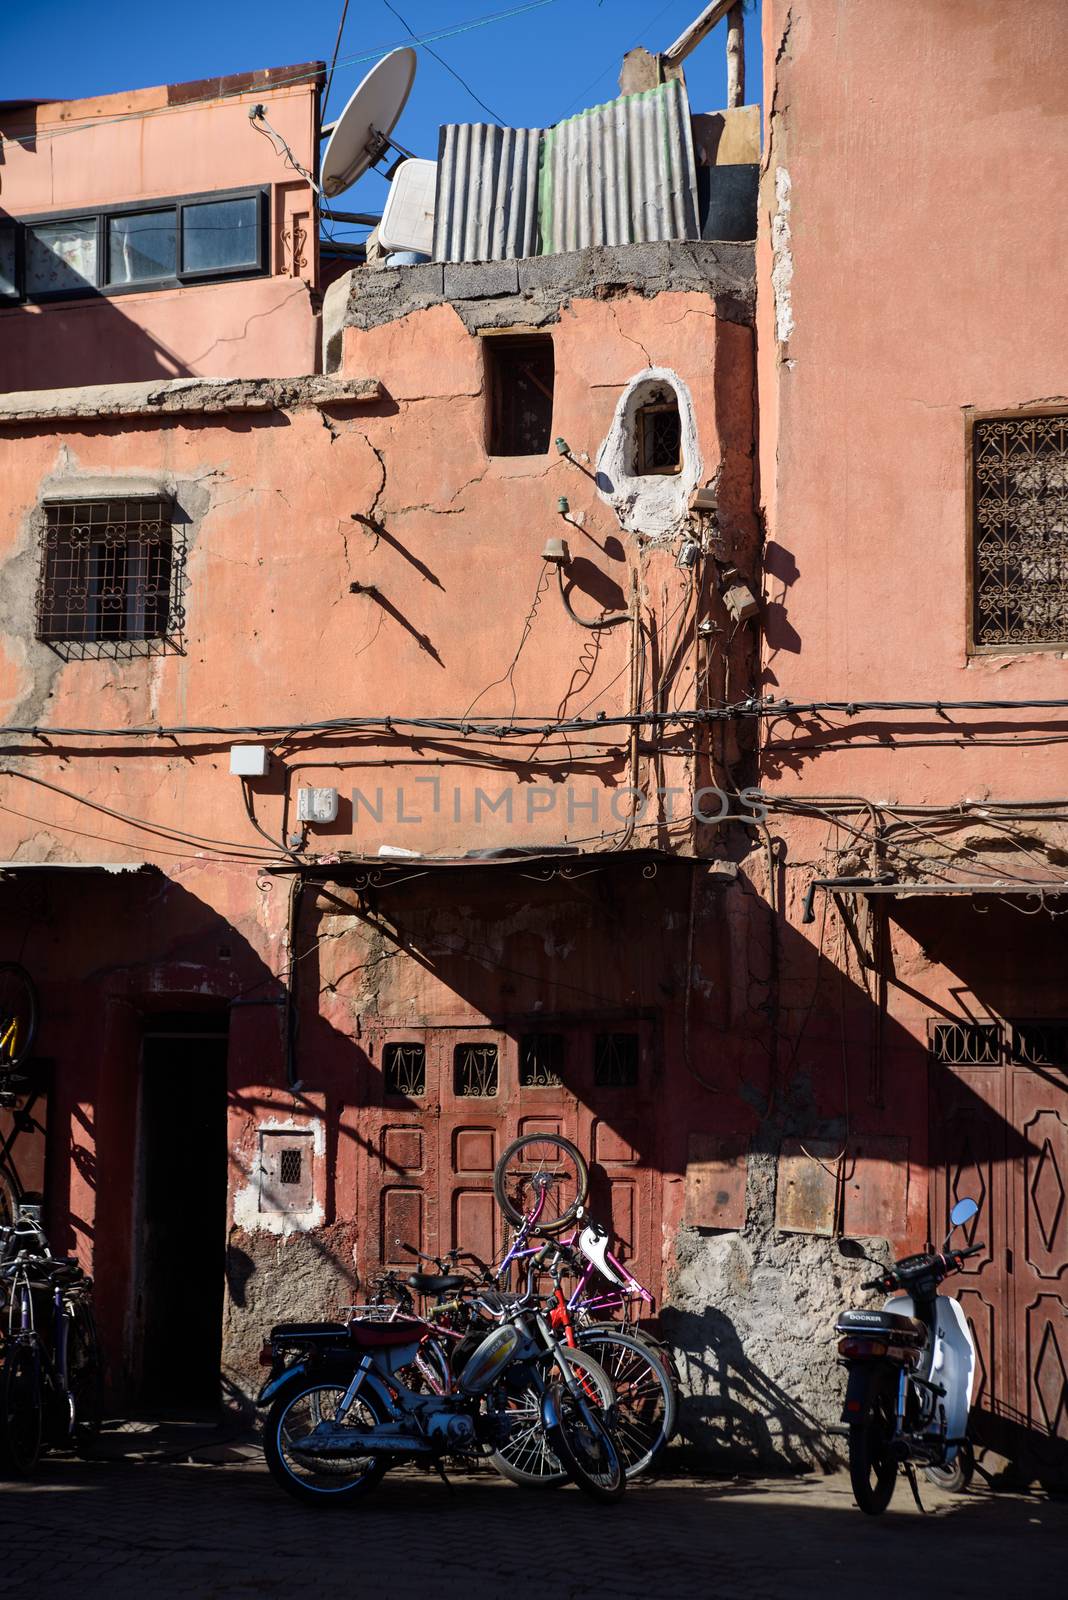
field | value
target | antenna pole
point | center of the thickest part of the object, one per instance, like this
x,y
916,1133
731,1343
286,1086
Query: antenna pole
x,y
735,57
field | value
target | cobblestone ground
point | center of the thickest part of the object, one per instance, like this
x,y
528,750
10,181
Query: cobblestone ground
x,y
119,1529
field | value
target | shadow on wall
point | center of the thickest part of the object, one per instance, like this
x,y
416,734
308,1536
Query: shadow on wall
x,y
732,1410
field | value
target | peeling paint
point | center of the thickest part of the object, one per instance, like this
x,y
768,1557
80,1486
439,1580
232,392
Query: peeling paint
x,y
656,505
782,271
246,1211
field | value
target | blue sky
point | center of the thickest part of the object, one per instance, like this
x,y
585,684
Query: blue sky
x,y
532,68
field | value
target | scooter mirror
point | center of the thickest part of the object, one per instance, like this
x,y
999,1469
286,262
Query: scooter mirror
x,y
851,1250
962,1212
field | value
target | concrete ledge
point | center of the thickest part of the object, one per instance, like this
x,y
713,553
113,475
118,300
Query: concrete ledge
x,y
184,397
533,291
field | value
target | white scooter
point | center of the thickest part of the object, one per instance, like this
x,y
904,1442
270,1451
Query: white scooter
x,y
911,1370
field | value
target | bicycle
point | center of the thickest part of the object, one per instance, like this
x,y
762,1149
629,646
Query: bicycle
x,y
18,1030
49,1389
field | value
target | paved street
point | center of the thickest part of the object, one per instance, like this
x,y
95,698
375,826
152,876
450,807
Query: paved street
x,y
122,1529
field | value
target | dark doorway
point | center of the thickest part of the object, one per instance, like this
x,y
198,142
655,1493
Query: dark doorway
x,y
183,1237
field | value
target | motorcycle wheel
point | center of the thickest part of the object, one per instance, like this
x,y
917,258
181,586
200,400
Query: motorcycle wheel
x,y
296,1414
872,1463
527,1457
584,1445
21,1413
957,1477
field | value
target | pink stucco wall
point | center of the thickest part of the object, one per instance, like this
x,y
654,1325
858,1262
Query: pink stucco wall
x,y
149,144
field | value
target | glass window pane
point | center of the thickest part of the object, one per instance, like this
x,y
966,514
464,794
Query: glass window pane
x,y
142,246
8,285
220,234
61,256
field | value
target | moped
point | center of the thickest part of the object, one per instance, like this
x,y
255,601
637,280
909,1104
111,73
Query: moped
x,y
347,1400
911,1369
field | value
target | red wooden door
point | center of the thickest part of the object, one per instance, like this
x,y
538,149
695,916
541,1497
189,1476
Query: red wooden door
x,y
1039,1265
999,1132
446,1101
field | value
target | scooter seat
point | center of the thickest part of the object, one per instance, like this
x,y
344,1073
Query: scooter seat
x,y
892,1324
385,1335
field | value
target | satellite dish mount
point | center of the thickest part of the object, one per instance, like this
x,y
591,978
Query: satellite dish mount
x,y
361,136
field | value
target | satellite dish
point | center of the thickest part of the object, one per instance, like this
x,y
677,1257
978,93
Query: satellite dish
x,y
408,215
360,136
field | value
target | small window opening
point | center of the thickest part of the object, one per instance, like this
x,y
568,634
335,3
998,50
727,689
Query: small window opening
x,y
658,436
289,1167
110,579
519,383
404,1067
615,1060
475,1070
541,1060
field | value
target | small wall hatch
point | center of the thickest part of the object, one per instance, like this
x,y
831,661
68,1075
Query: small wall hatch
x,y
286,1170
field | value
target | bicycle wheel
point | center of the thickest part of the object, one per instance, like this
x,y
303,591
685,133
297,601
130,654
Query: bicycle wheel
x,y
580,1437
526,1456
18,1015
21,1412
85,1380
646,1406
542,1179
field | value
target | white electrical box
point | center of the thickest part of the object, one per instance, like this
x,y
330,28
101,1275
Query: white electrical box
x,y
248,760
408,214
317,805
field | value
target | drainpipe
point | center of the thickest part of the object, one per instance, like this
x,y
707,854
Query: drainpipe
x,y
291,1013
808,915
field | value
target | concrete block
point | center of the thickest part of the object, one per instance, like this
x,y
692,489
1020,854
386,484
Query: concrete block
x,y
480,280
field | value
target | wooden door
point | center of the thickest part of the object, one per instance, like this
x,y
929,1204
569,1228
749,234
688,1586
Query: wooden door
x,y
999,1132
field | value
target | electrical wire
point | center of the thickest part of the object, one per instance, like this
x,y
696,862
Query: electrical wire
x,y
333,61
450,32
528,622
442,62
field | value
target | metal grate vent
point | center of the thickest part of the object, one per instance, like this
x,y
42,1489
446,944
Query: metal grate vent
x,y
404,1067
541,1060
289,1166
659,439
1019,531
110,579
966,1044
615,1060
475,1070
1041,1044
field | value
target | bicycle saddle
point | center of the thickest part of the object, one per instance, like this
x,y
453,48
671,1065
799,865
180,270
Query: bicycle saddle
x,y
435,1283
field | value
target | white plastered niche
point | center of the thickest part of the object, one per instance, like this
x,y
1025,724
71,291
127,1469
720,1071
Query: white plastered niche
x,y
657,504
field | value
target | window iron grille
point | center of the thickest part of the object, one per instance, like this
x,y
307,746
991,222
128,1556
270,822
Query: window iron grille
x,y
475,1070
966,1044
659,438
615,1060
289,1166
1019,532
1040,1044
404,1066
541,1060
110,581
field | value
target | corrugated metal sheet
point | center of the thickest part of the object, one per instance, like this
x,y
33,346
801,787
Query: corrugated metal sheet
x,y
621,173
487,198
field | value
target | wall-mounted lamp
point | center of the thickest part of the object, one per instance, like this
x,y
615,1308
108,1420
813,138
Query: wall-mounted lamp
x,y
556,552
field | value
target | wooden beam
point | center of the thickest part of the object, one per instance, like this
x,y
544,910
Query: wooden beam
x,y
735,57
691,37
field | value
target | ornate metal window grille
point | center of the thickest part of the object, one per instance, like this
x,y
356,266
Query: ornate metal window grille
x,y
1040,1044
404,1066
659,438
541,1060
1019,532
110,582
966,1044
615,1060
475,1070
289,1166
